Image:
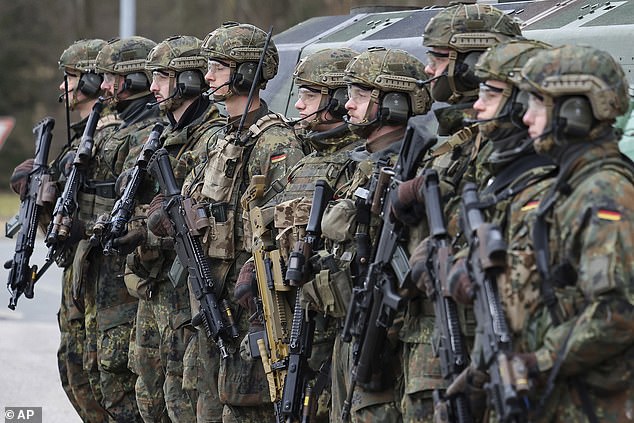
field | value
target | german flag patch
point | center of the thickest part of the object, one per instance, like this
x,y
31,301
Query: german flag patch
x,y
278,158
611,215
531,205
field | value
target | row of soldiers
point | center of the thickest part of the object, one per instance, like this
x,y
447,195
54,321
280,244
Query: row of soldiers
x,y
526,125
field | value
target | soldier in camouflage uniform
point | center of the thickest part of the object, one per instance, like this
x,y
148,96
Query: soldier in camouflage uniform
x,y
82,83
110,310
163,322
322,95
263,145
583,341
456,37
383,94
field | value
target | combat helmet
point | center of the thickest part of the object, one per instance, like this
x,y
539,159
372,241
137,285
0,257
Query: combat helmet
x,y
126,57
503,62
324,70
582,88
394,76
466,30
80,57
240,46
179,58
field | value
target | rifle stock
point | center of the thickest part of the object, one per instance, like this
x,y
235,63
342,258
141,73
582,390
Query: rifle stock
x,y
22,276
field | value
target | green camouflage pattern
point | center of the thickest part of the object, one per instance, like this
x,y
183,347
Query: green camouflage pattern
x,y
389,70
163,328
81,55
468,27
122,56
591,230
176,54
504,61
237,43
579,70
324,68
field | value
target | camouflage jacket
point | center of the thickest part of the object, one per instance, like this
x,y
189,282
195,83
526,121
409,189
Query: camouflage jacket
x,y
591,253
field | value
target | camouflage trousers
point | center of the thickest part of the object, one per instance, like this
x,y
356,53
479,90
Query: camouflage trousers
x,y
75,380
201,364
109,315
366,407
157,349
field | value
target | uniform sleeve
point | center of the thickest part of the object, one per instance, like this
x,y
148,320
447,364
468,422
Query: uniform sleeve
x,y
600,246
275,153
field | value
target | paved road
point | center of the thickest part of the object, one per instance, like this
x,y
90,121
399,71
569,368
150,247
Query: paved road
x,y
29,337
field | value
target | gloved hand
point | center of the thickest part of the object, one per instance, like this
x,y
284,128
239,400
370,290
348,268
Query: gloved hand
x,y
471,382
244,291
128,242
122,182
418,263
20,175
409,205
530,361
157,220
460,285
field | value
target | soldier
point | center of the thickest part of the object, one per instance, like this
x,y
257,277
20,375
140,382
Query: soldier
x,y
110,310
322,94
580,345
254,141
378,111
163,322
456,37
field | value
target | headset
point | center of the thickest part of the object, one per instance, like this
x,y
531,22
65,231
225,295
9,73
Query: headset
x,y
464,76
90,84
337,103
394,108
573,117
243,77
190,83
136,82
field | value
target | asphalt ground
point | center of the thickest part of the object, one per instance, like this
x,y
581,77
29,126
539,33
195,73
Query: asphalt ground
x,y
29,337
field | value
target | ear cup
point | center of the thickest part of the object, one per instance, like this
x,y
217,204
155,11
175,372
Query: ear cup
x,y
90,84
136,82
394,109
464,75
574,116
244,76
190,83
338,100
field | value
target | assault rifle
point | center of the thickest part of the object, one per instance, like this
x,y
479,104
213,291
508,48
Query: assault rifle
x,y
373,305
297,399
487,260
214,315
66,206
272,301
22,276
123,209
452,352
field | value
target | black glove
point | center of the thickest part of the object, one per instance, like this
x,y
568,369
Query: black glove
x,y
20,176
128,242
409,204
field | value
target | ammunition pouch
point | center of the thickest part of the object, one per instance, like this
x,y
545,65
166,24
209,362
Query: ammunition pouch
x,y
339,221
331,289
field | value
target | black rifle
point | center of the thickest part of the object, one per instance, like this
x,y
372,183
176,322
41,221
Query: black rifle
x,y
486,262
66,206
297,398
124,207
373,306
22,276
452,351
215,316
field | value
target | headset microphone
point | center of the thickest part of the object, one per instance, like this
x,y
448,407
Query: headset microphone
x,y
295,122
372,122
211,91
422,82
156,103
60,99
469,121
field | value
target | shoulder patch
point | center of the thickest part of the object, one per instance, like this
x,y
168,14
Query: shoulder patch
x,y
610,215
278,158
531,205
